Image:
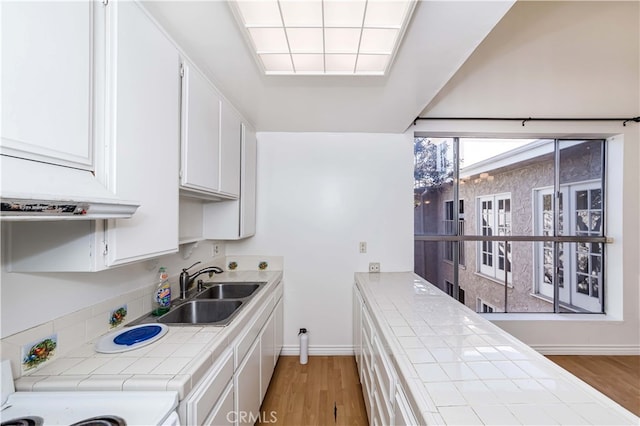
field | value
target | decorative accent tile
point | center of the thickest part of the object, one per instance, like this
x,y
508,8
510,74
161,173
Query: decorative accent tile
x,y
35,353
232,265
263,265
117,316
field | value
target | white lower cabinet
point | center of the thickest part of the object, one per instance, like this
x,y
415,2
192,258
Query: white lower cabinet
x,y
256,365
201,404
279,330
267,352
222,414
247,384
385,400
404,413
232,390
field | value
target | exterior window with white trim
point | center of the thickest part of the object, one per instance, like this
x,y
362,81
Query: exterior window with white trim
x,y
580,264
494,218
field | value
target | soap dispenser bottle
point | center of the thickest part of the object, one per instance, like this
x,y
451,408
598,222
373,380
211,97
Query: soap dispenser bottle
x,y
162,294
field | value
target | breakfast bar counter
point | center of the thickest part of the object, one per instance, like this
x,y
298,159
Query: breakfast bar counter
x,y
453,366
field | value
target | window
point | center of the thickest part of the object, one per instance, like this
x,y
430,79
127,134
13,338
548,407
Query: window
x,y
450,291
494,218
534,220
451,229
484,307
579,264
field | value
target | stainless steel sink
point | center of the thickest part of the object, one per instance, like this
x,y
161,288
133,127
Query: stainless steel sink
x,y
229,291
217,304
210,312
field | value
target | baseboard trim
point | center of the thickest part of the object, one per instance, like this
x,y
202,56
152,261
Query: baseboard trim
x,y
587,350
320,350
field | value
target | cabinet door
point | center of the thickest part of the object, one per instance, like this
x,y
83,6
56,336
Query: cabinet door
x,y
267,351
200,144
230,141
247,386
249,180
236,219
403,413
144,135
279,312
48,64
222,414
207,395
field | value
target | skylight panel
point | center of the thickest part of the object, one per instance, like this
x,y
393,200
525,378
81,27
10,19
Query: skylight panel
x,y
305,40
302,13
324,37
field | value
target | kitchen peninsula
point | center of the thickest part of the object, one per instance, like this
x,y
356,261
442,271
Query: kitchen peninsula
x,y
424,358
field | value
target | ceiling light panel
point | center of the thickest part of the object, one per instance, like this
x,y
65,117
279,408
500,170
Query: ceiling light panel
x,y
302,13
344,13
305,40
337,37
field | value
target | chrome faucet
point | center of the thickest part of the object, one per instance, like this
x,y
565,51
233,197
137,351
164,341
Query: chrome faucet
x,y
186,279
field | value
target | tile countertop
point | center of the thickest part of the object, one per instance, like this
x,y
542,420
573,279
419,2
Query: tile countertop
x,y
459,368
175,362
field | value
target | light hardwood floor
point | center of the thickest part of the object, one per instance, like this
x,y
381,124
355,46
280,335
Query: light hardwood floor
x,y
618,377
306,395
310,394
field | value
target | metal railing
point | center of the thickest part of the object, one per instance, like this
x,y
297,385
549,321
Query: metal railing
x,y
513,238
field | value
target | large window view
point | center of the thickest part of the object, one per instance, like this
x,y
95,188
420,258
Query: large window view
x,y
511,225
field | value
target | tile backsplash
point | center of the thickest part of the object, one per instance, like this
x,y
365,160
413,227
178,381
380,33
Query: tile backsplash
x,y
67,333
71,331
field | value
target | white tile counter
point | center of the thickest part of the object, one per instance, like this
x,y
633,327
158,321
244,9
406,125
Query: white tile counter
x,y
459,368
177,361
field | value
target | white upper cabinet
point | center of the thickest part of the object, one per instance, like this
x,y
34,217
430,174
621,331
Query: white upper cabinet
x,y
210,140
200,133
48,73
141,131
236,219
144,72
230,138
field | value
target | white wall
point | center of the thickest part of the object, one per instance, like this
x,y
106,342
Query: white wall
x,y
565,59
27,300
319,195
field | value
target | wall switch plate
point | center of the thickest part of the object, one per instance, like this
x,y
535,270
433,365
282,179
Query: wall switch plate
x,y
374,266
363,246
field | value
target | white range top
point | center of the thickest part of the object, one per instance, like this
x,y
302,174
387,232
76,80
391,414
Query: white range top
x,y
459,368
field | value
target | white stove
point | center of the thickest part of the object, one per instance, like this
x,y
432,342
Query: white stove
x,y
93,408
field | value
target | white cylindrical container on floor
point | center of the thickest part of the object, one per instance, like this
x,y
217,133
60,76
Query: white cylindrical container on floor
x,y
304,346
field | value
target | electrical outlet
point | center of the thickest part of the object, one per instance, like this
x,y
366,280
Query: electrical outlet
x,y
216,250
374,266
363,246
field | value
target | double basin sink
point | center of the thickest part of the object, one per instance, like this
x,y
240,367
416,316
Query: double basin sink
x,y
217,304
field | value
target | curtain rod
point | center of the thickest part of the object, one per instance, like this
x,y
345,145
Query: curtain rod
x,y
524,120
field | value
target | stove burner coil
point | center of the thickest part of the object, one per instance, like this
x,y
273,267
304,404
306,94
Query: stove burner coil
x,y
24,421
101,421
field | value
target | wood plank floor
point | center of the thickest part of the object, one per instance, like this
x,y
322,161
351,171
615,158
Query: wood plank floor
x,y
618,377
304,395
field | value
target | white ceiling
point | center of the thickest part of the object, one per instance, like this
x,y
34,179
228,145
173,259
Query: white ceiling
x,y
440,37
